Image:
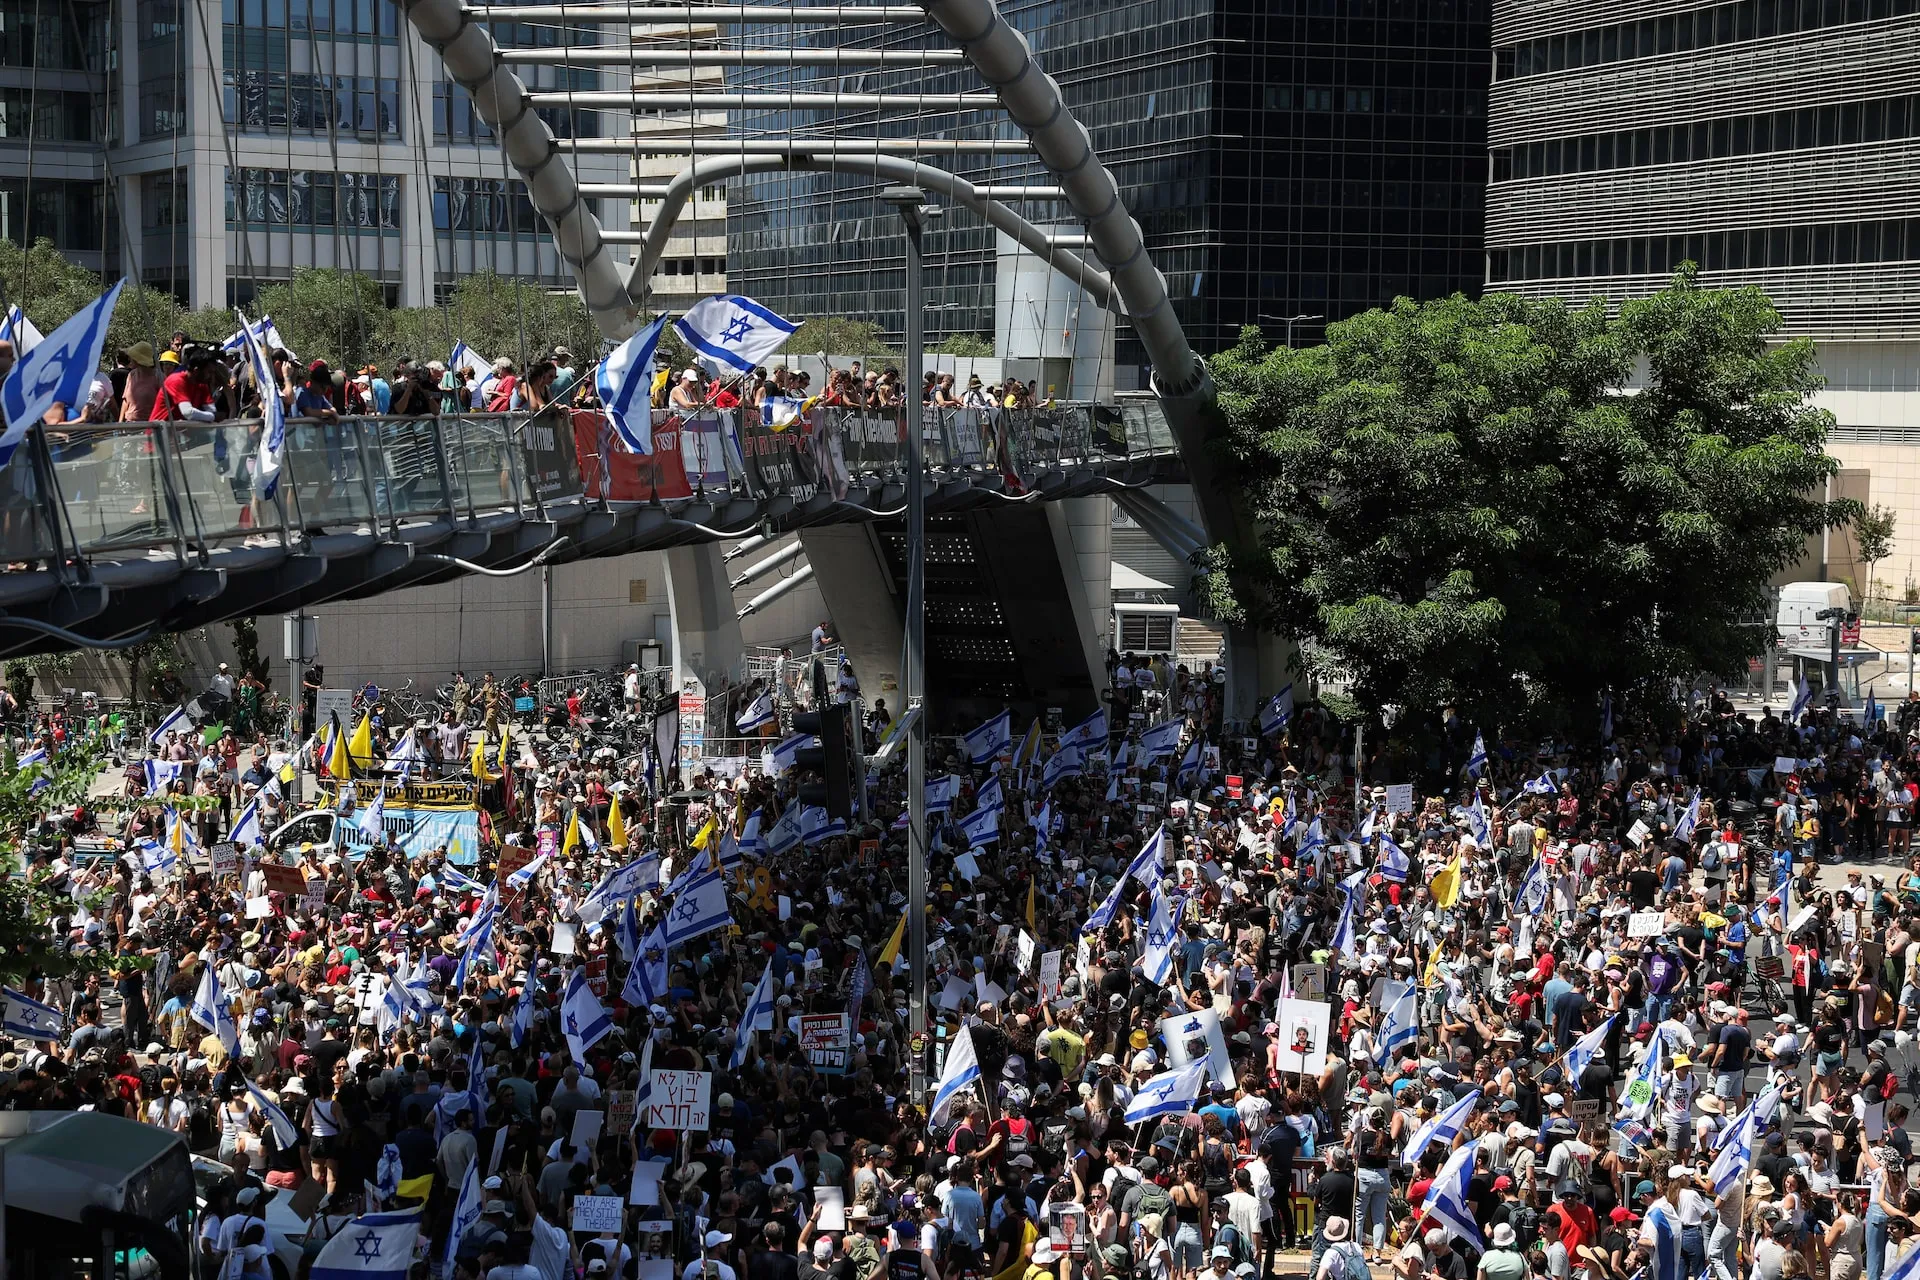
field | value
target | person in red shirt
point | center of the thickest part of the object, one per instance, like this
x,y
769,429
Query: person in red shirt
x,y
188,392
1578,1226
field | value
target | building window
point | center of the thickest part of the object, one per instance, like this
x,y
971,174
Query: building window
x,y
320,106
163,107
73,215
314,198
49,116
485,206
38,33
163,200
1766,248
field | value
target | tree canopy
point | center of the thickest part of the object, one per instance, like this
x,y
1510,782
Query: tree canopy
x,y
1510,507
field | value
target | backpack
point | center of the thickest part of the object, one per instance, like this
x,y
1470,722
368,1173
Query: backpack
x,y
1710,860
1053,1134
1019,1141
1354,1263
203,1131
1217,1169
500,398
1153,1199
1525,1223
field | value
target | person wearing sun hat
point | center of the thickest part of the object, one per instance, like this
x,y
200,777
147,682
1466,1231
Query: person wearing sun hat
x,y
143,384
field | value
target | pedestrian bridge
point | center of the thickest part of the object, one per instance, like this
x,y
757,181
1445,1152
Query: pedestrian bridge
x,y
116,532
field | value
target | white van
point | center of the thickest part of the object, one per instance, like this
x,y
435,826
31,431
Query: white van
x,y
1796,618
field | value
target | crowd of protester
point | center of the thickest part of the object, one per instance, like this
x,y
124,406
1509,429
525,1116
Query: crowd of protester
x,y
1238,1003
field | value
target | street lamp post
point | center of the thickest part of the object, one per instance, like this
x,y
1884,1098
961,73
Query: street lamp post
x,y
911,202
1289,321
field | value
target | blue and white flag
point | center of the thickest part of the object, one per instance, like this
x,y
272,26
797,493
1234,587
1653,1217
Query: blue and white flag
x,y
1162,940
991,738
940,792
465,357
456,883
981,828
1477,819
466,1212
777,413
1531,897
785,751
859,982
1311,839
784,834
647,975
1042,822
386,1173
394,1002
757,1016
961,1070
177,721
1276,714
990,796
210,1009
1443,1128
246,831
1446,1201
36,756
1907,1267
20,331
751,841
372,820
1802,698
625,383
521,877
27,1018
759,713
419,986
273,409
582,1018
1585,1048
1169,1093
157,858
58,370
624,882
1343,936
1393,863
1736,1153
1544,785
283,1128
1149,866
1477,762
817,825
1160,741
1091,732
1189,764
1103,914
1683,829
626,931
1061,765
1399,1019
521,1023
265,334
733,333
700,910
374,1246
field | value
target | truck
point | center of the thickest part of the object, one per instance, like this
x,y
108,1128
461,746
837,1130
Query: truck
x,y
417,817
1796,616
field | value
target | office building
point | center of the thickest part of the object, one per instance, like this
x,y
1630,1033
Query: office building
x,y
1297,159
300,133
1774,143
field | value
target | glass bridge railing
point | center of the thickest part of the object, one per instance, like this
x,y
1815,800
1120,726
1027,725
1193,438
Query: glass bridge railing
x,y
160,490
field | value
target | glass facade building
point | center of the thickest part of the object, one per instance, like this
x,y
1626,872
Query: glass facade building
x,y
1284,158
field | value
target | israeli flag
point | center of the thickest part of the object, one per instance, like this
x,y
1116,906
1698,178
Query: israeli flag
x,y
1443,1128
816,825
1343,937
20,331
1400,1019
991,738
1311,839
990,797
418,986
1042,822
58,369
777,413
283,1128
1149,866
624,882
265,334
1160,741
407,757
647,975
1061,765
23,1016
962,1070
520,879
1802,699
1736,1153
1163,926
386,1174
1477,819
466,1212
36,756
372,821
246,828
465,357
940,793
1393,862
177,721
625,382
757,1016
1190,765
521,1023
1683,829
1089,732
1446,1201
451,877
751,841
1585,1048
582,1018
1531,897
734,333
981,828
273,409
1907,1267
785,832
482,919
211,1010
758,713
393,1006
157,858
1169,1093
1477,762
785,752
1103,914
1544,785
374,1246
699,911
1278,711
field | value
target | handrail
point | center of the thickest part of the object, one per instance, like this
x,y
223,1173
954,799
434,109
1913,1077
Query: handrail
x,y
183,489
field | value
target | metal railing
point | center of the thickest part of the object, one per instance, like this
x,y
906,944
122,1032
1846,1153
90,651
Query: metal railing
x,y
178,490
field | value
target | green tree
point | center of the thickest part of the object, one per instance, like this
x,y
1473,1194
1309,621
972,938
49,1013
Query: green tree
x,y
496,316
327,314
1873,539
21,673
1466,504
49,288
841,336
29,899
965,345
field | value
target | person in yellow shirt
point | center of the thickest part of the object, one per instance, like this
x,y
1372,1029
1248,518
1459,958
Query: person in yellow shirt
x,y
1066,1047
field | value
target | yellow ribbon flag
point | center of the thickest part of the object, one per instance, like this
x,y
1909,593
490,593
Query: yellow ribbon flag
x,y
506,742
339,763
703,836
479,761
360,746
1032,885
1432,974
1445,885
891,951
616,823
572,841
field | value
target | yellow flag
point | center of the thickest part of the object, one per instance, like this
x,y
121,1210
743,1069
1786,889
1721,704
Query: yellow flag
x,y
506,742
339,764
360,746
1032,885
616,823
892,949
1029,751
479,761
572,841
705,834
1432,974
1446,884
178,837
